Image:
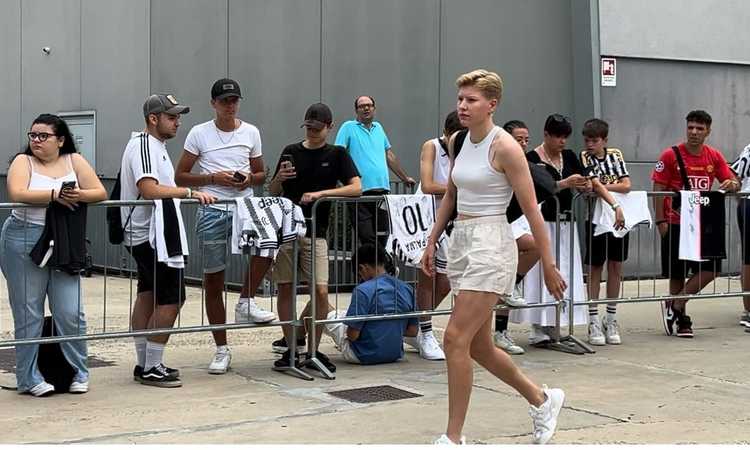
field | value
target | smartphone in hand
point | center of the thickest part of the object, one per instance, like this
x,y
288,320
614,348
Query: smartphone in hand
x,y
287,160
239,177
67,185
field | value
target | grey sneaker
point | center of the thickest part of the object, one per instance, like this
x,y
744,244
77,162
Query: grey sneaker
x,y
504,341
611,331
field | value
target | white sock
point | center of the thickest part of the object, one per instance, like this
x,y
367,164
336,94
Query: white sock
x,y
611,317
140,350
222,349
154,355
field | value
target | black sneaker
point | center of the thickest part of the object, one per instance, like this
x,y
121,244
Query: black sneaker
x,y
158,376
138,371
280,346
284,360
324,360
668,317
684,326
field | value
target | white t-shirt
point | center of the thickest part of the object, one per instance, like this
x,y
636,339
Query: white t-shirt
x,y
144,157
441,167
220,151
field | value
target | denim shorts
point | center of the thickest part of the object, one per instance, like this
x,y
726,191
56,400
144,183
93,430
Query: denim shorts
x,y
214,229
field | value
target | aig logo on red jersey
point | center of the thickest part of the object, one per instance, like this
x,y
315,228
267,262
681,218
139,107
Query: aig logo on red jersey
x,y
699,183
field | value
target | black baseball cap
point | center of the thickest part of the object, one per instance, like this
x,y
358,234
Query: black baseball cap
x,y
163,103
224,88
318,116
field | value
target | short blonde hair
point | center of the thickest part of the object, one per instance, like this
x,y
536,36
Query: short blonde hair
x,y
489,83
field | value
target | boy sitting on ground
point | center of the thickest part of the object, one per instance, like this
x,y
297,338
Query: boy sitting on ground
x,y
376,341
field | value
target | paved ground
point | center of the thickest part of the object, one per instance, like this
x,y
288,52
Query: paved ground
x,y
651,389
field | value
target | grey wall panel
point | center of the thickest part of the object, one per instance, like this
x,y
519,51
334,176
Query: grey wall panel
x,y
114,89
647,109
51,83
528,43
188,53
701,30
274,53
387,49
10,80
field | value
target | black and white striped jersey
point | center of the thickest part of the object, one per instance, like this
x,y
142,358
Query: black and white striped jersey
x,y
610,169
741,167
262,224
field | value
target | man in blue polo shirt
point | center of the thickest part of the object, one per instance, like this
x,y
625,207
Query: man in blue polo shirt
x,y
371,151
375,341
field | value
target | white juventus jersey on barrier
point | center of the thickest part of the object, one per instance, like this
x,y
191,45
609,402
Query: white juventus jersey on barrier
x,y
412,218
690,225
262,224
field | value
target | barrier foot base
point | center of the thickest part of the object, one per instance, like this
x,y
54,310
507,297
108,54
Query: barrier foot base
x,y
572,340
294,371
324,372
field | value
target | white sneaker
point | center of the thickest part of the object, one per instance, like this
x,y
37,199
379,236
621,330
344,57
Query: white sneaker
x,y
538,335
42,389
429,348
545,417
220,364
251,312
611,331
596,335
445,440
505,342
79,387
516,298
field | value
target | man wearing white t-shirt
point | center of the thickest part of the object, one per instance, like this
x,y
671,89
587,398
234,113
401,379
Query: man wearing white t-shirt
x,y
229,156
147,173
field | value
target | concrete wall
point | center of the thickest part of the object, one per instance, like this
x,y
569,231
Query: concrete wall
x,y
107,55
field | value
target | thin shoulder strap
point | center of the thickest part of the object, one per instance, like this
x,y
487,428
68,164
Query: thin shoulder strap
x,y
70,162
30,159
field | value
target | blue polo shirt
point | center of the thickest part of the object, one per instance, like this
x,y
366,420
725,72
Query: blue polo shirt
x,y
367,148
381,341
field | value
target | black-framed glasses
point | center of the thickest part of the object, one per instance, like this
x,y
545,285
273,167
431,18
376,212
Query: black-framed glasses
x,y
41,137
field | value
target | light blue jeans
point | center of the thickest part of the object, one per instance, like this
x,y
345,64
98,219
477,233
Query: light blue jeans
x,y
28,285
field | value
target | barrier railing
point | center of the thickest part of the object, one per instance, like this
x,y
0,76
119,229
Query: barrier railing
x,y
343,233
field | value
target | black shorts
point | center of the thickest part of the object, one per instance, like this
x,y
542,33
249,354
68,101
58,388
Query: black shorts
x,y
677,269
743,220
169,288
605,247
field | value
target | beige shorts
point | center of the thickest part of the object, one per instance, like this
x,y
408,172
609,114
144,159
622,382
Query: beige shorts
x,y
482,255
282,271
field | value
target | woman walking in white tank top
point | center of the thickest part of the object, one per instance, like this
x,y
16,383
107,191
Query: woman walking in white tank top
x,y
482,256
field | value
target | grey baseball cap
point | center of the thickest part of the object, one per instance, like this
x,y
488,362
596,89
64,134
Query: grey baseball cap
x,y
163,103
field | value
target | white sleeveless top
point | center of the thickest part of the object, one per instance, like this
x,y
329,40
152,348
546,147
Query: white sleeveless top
x,y
40,182
441,167
482,190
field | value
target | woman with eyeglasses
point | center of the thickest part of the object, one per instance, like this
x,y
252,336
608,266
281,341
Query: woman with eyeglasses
x,y
565,167
37,177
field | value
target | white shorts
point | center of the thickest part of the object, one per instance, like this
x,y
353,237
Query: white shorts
x,y
482,255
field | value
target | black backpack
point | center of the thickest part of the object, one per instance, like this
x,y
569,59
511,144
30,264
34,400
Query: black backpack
x,y
51,362
115,228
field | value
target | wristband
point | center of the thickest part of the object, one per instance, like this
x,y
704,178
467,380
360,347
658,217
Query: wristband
x,y
212,178
614,206
52,195
189,193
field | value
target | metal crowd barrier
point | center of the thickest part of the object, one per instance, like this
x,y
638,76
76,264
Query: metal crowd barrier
x,y
343,237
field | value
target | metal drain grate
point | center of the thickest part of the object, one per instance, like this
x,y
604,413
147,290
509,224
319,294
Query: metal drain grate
x,y
374,394
8,361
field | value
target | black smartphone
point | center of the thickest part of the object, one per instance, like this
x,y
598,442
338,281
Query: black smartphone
x,y
286,157
239,177
68,185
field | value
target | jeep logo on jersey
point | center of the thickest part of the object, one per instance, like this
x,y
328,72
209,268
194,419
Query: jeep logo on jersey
x,y
697,199
416,219
699,183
